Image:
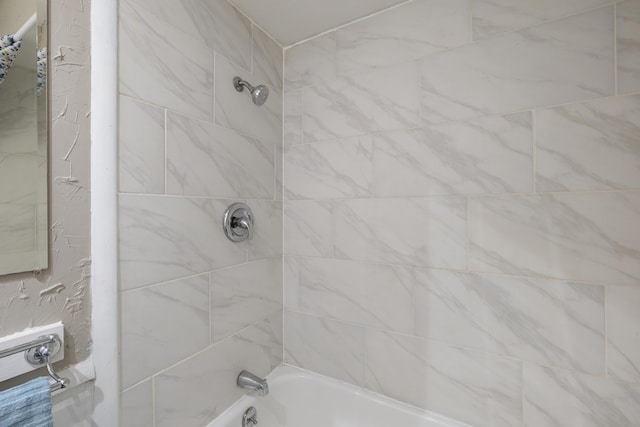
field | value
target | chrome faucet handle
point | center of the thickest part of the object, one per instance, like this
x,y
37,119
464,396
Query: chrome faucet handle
x,y
250,417
238,222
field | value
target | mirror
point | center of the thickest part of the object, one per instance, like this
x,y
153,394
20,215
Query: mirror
x,y
23,136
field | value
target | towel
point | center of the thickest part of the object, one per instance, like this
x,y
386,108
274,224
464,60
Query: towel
x,y
8,52
27,405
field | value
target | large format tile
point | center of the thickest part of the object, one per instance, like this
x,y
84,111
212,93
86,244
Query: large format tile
x,y
590,146
563,61
243,295
164,238
623,333
552,323
325,346
405,33
310,63
490,155
308,228
498,16
292,119
351,105
163,324
375,295
208,160
290,269
419,232
557,398
267,234
267,60
215,23
141,147
137,405
164,66
466,385
236,110
628,44
329,170
569,236
192,393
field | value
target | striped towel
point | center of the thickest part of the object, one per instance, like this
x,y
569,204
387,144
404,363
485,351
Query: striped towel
x,y
27,405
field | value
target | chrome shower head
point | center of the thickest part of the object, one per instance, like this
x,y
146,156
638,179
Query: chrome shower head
x,y
259,94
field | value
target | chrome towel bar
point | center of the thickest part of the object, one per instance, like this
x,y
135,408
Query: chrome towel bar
x,y
39,352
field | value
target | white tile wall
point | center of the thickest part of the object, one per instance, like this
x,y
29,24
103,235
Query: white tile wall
x,y
562,61
494,237
628,46
196,308
623,333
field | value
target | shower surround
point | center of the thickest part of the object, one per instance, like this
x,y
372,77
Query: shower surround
x,y
461,209
460,194
196,308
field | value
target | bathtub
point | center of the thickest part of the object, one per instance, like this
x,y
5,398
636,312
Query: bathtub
x,y
300,398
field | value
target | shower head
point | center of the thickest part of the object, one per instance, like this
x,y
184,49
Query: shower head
x,y
259,94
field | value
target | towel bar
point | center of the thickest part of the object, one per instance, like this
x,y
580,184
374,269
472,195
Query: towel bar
x,y
38,352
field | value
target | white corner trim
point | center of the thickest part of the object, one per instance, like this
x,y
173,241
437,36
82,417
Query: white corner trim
x,y
104,282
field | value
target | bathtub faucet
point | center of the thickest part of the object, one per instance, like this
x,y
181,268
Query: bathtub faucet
x,y
249,381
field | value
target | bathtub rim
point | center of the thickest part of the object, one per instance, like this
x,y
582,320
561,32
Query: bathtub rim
x,y
286,370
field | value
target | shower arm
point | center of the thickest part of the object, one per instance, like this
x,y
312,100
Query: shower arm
x,y
240,84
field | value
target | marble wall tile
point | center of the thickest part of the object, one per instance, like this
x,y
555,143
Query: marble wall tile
x,y
137,405
141,147
235,109
192,393
405,33
489,155
628,46
161,325
419,232
563,61
374,295
570,236
351,105
292,120
267,60
267,339
325,346
498,16
589,146
162,65
267,234
215,23
290,266
310,63
164,238
330,170
623,333
553,323
466,385
208,160
563,398
279,181
308,228
243,295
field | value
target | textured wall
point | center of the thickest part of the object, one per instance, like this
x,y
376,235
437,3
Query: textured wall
x,y
461,209
196,308
62,291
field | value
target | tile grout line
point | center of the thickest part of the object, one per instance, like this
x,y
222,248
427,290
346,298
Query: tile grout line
x,y
534,150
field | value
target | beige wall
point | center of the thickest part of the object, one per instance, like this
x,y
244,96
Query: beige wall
x,y
62,291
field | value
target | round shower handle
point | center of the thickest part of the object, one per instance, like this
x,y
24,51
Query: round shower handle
x,y
238,222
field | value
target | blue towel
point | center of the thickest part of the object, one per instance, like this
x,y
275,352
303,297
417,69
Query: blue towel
x,y
27,405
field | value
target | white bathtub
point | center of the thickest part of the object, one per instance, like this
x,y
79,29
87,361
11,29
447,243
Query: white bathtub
x,y
299,398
